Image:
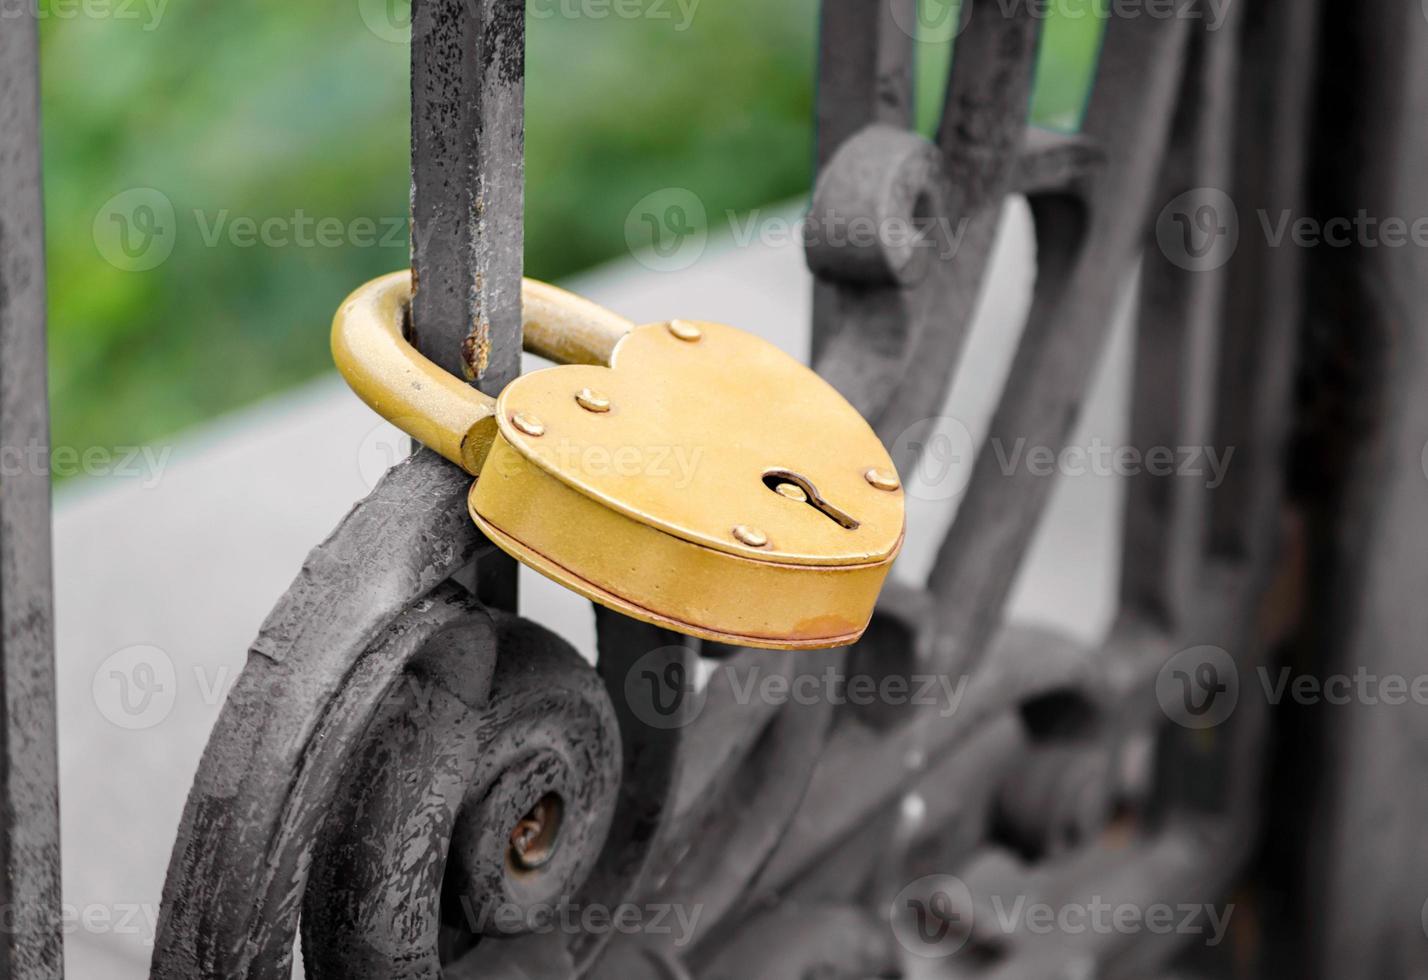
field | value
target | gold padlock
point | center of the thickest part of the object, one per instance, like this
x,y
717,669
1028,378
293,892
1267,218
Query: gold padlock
x,y
686,474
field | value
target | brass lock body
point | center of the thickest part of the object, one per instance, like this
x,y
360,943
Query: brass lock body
x,y
687,474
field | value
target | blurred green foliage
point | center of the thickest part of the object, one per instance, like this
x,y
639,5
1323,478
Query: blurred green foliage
x,y
290,112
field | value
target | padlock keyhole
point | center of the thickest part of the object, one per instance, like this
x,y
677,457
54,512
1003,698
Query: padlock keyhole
x,y
777,479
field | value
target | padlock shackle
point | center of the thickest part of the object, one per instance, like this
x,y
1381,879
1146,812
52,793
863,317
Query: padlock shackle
x,y
568,329
373,355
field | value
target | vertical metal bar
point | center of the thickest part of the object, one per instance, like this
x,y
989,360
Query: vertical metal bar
x,y
1264,305
866,57
1178,336
1361,475
468,201
29,780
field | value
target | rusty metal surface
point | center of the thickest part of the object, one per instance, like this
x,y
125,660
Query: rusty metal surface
x,y
391,734
29,780
330,660
295,716
467,748
468,203
468,186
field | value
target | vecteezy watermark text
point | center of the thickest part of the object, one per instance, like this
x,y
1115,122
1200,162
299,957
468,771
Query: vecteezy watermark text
x,y
936,916
1359,230
143,463
589,919
1200,687
1100,458
138,229
936,456
147,12
1200,230
669,231
1362,687
391,20
139,919
679,12
664,693
940,235
678,463
939,21
1099,917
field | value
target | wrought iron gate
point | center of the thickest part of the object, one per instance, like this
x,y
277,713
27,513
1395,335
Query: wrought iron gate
x,y
404,759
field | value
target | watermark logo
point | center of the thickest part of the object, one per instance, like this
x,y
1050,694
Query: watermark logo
x,y
751,682
1339,690
392,20
136,231
135,688
148,13
668,230
938,456
932,917
679,13
1424,458
1199,688
299,230
897,234
1360,230
676,921
1103,459
381,449
1199,231
662,690
388,20
145,464
95,919
931,21
1102,918
935,456
678,465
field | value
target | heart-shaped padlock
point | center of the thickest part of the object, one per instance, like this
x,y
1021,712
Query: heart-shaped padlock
x,y
687,474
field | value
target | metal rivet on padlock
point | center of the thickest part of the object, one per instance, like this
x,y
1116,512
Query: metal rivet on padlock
x,y
685,331
884,479
528,424
732,494
592,401
751,536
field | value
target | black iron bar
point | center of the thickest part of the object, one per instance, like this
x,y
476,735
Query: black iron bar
x,y
468,202
29,778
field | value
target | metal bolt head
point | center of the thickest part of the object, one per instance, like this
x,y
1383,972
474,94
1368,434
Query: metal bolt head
x,y
883,479
793,492
751,536
686,331
528,424
533,840
592,401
